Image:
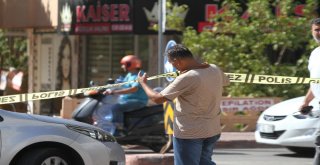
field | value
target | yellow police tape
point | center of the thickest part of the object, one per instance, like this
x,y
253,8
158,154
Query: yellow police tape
x,y
61,93
268,79
233,77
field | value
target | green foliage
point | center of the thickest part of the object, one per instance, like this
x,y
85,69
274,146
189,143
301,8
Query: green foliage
x,y
13,52
246,45
174,16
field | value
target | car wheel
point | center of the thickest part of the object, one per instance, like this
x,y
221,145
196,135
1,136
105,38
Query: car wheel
x,y
302,150
46,156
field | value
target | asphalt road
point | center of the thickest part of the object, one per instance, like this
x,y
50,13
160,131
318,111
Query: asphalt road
x,y
249,156
260,156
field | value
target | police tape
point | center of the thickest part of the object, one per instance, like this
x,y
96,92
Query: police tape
x,y
233,77
269,79
62,93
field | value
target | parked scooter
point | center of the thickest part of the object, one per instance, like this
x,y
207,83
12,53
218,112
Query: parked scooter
x,y
144,126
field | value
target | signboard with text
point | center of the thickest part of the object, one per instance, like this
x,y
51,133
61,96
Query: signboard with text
x,y
247,104
141,16
95,16
146,14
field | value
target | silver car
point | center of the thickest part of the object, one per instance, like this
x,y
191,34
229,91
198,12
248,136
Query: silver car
x,y
41,140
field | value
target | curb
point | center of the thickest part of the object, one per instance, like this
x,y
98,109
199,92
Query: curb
x,y
243,144
228,140
150,159
167,159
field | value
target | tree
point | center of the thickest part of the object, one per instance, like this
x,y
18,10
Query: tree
x,y
13,52
264,43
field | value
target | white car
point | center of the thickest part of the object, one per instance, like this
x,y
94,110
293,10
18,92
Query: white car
x,y
283,124
41,140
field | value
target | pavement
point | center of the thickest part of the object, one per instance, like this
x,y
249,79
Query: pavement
x,y
240,140
227,140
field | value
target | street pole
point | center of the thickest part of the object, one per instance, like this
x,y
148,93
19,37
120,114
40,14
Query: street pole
x,y
161,26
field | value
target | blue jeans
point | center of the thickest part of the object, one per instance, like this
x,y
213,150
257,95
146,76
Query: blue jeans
x,y
194,151
121,107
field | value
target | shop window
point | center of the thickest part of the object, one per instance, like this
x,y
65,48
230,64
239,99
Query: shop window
x,y
104,54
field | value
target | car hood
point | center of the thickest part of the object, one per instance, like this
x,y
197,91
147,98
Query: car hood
x,y
58,120
288,107
42,118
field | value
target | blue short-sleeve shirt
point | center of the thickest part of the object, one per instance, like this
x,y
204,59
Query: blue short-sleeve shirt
x,y
139,95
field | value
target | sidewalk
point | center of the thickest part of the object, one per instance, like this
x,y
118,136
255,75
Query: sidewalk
x,y
227,140
239,140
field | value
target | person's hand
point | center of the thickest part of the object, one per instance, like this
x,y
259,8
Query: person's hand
x,y
303,105
304,108
108,92
142,78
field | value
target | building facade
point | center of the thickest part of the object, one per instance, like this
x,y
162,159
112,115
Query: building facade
x,y
71,42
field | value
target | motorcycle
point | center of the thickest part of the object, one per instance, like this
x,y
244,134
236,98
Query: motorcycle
x,y
144,126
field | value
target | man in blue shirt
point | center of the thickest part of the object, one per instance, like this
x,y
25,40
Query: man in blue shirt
x,y
132,95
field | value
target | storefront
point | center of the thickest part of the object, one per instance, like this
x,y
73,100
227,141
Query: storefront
x,y
98,33
107,33
110,30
